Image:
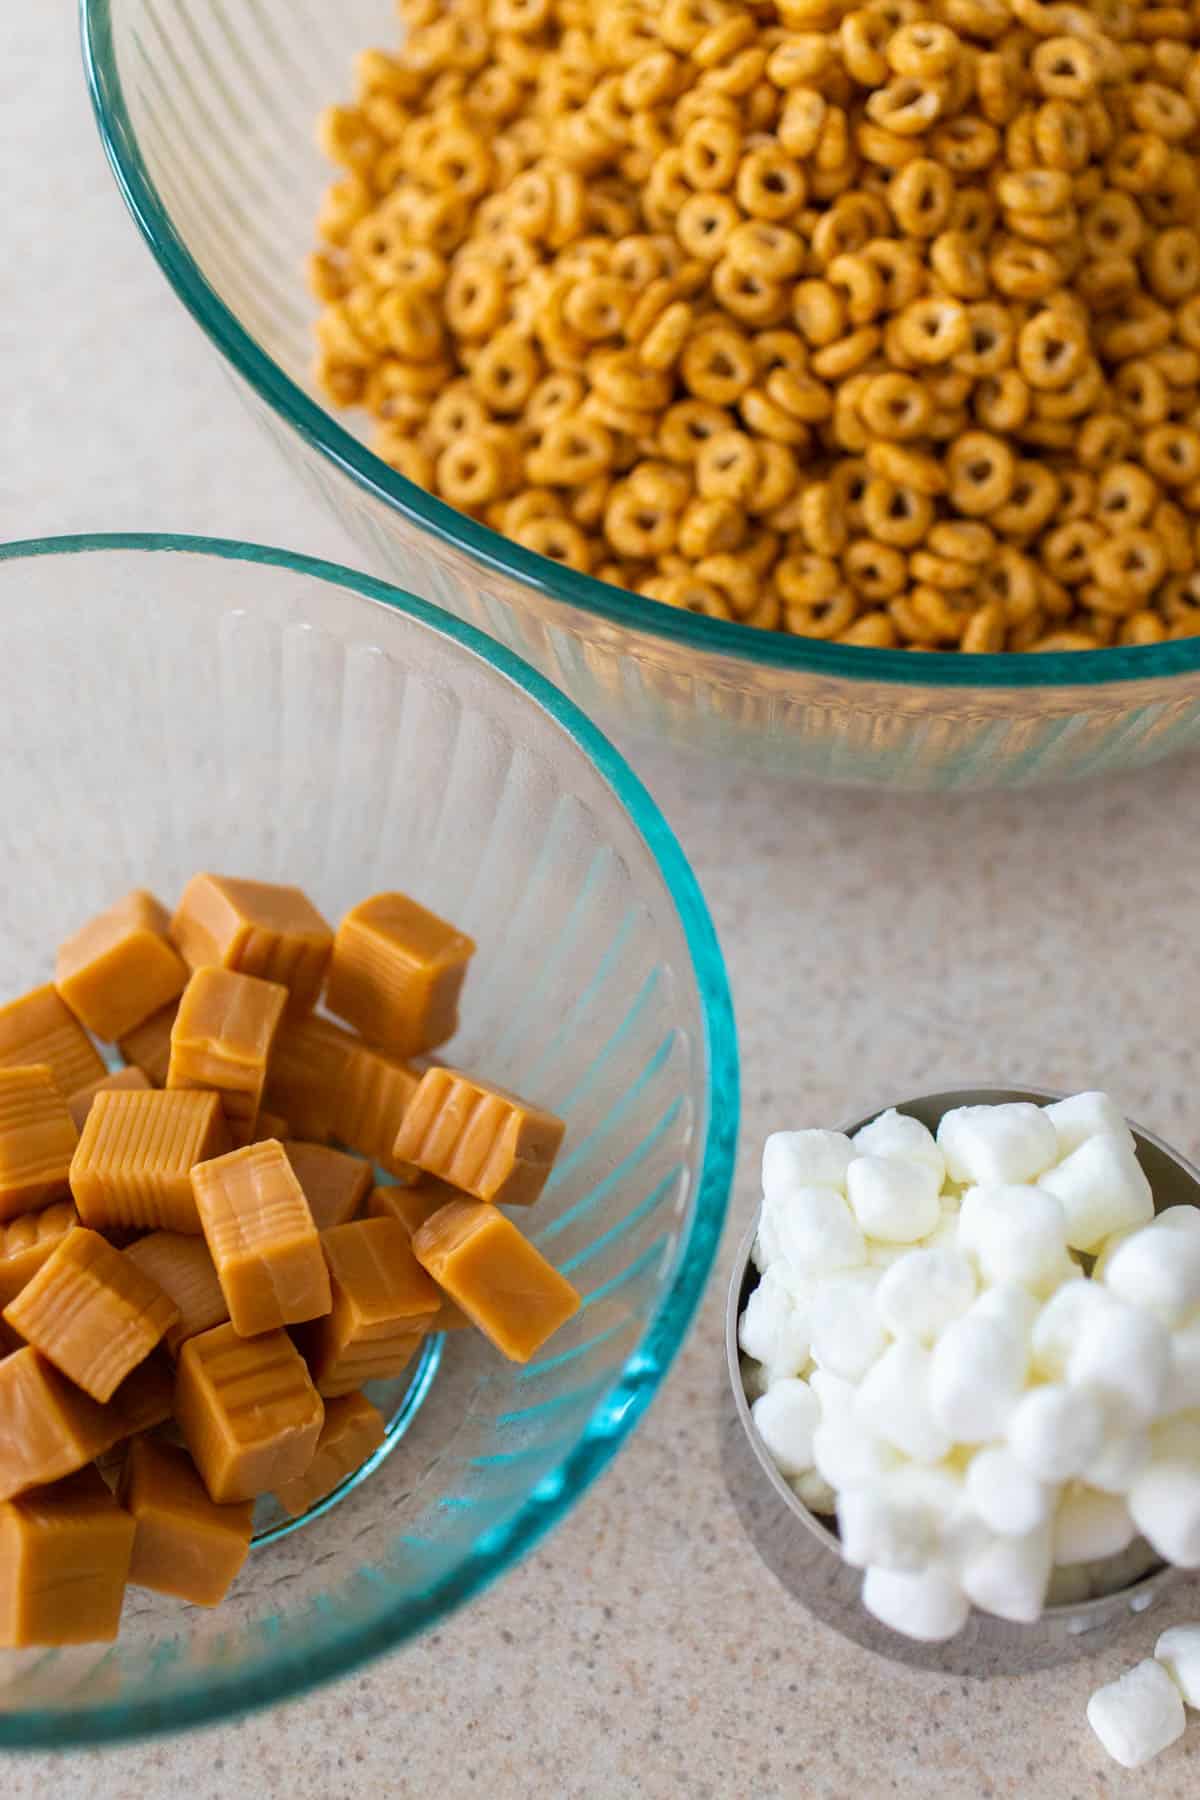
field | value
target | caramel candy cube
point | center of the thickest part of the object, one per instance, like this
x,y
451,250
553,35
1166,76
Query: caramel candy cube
x,y
91,1312
396,974
148,1046
248,1411
412,1206
185,1544
270,1125
257,927
383,1304
262,1238
183,1268
48,1428
28,1241
335,1184
352,1431
80,1104
479,1138
306,1073
135,1156
120,968
37,1141
372,1099
39,1028
64,1561
222,1038
493,1272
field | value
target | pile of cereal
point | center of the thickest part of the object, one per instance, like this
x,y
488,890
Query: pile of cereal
x,y
878,324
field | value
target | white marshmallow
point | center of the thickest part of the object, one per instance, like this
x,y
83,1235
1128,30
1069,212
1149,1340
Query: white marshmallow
x,y
1006,1497
1103,1188
1083,1116
1178,1650
1178,1218
1165,1504
930,1606
1012,1306
1088,1527
834,1395
894,1403
1125,1452
1016,1234
923,1291
977,1373
817,1233
1108,1249
847,1455
994,1145
1061,1322
906,1520
895,1134
773,1329
1056,1432
893,1200
785,1418
1158,1268
1125,1353
1068,1586
813,1491
1138,1715
944,1235
846,1333
1009,1575
800,1159
882,1256
1183,1381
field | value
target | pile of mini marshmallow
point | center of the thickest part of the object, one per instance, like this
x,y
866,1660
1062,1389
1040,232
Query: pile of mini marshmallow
x,y
998,1419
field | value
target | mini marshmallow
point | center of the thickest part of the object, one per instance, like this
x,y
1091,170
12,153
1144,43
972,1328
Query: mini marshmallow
x,y
930,1606
977,1374
847,1336
801,1159
1137,1715
1103,1188
1015,1234
904,1521
1009,1575
1183,1381
1125,1353
817,1233
1083,1116
785,1418
1006,1497
993,1146
1061,1322
1125,1452
1012,1306
1159,1268
894,1402
1108,1249
1178,1650
772,1329
895,1134
1178,1218
882,1256
924,1291
944,1235
847,1454
813,1491
1088,1527
1056,1432
1165,1498
893,1200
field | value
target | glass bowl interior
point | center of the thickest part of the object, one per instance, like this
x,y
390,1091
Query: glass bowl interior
x,y
175,704
207,115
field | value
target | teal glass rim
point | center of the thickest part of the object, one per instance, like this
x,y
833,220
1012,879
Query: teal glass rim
x,y
295,1669
775,651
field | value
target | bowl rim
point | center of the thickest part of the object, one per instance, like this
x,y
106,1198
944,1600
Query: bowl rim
x,y
293,1669
778,652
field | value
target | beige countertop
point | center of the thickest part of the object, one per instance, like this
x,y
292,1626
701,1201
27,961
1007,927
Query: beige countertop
x,y
877,946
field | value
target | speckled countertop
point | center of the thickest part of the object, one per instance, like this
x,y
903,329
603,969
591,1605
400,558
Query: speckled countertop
x,y
876,945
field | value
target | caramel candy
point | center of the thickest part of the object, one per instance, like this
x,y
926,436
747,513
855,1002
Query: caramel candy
x,y
412,1206
183,1268
248,1411
185,1544
39,1028
334,1183
148,1046
222,1039
383,1304
479,1138
353,1429
372,1099
91,1312
257,927
64,1561
80,1104
306,1074
263,1241
48,1428
502,1283
396,974
120,968
136,1151
270,1125
37,1141
28,1241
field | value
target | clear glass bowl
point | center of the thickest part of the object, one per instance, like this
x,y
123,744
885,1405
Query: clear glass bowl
x,y
207,113
173,704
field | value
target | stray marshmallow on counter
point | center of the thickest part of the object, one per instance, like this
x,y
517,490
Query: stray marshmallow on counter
x,y
982,1349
